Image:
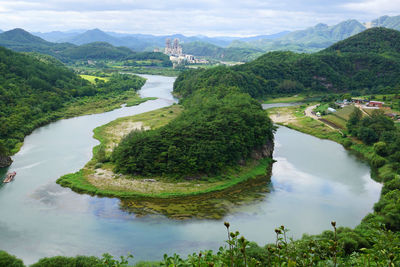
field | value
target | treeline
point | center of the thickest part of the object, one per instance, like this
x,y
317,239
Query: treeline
x,y
33,89
330,70
216,129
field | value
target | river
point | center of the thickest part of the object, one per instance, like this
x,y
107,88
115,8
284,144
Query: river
x,y
313,182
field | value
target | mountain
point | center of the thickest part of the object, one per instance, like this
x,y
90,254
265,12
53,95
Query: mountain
x,y
309,40
208,50
377,40
387,22
324,34
1,31
95,51
367,63
22,41
56,36
91,36
143,42
268,37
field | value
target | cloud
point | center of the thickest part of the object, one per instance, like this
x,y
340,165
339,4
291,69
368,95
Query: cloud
x,y
378,7
207,17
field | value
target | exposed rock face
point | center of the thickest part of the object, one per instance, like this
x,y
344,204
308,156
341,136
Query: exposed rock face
x,y
5,161
264,151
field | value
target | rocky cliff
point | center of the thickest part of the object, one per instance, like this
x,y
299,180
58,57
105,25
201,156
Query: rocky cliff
x,y
263,152
5,161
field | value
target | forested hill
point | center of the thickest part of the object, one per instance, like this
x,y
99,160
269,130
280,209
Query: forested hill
x,y
375,40
204,49
33,88
374,66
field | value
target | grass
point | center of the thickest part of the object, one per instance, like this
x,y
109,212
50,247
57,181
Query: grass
x,y
298,121
100,104
315,128
78,182
287,99
340,117
92,78
98,178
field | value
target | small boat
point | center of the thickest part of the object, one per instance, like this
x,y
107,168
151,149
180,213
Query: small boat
x,y
10,177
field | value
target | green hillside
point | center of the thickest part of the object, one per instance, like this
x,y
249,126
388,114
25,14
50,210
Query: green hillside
x,y
208,50
22,41
33,88
95,51
375,40
327,71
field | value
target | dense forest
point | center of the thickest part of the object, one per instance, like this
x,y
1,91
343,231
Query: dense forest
x,y
346,66
217,129
33,88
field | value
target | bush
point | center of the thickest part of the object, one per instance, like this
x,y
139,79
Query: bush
x,y
381,148
60,261
347,143
9,260
377,161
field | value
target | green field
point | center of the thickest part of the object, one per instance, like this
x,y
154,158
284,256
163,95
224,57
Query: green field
x,y
285,99
92,78
340,117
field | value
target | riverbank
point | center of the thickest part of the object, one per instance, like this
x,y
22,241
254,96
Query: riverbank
x,y
294,117
86,106
98,178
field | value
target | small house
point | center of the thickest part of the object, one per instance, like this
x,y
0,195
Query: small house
x,y
332,110
377,104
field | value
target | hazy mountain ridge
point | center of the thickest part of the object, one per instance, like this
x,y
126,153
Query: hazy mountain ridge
x,y
22,41
318,37
141,42
387,22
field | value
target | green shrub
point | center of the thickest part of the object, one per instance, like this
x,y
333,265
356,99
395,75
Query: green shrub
x,y
381,148
377,161
61,261
347,143
9,260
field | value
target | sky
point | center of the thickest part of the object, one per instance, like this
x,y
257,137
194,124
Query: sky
x,y
201,17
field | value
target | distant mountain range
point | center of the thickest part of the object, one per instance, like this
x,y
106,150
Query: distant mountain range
x,y
222,48
141,42
22,41
318,37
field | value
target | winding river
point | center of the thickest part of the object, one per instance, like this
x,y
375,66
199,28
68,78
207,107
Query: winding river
x,y
313,182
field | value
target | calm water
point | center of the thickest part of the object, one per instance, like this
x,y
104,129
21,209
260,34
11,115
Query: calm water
x,y
314,181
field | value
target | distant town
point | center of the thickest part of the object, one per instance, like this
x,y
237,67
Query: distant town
x,y
176,55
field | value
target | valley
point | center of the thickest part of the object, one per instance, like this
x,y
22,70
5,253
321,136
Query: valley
x,y
118,147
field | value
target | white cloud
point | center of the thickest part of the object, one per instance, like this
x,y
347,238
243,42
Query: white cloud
x,y
378,7
207,17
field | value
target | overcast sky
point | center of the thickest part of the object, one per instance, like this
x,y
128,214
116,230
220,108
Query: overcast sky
x,y
206,17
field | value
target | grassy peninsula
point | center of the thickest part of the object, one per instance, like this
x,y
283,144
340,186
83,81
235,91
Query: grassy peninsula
x,y
98,177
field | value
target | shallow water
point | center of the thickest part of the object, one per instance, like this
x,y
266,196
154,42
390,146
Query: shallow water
x,y
313,182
